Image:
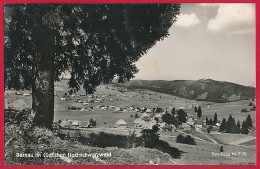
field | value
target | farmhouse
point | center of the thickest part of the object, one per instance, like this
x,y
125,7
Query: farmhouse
x,y
148,125
158,115
84,124
199,123
185,126
117,109
104,108
121,123
138,123
66,123
148,111
112,107
75,124
145,117
190,121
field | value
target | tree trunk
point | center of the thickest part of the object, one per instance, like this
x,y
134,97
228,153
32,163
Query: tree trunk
x,y
43,80
43,98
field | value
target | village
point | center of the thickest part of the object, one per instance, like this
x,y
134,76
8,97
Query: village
x,y
130,118
147,119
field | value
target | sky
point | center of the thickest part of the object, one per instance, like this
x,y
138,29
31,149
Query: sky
x,y
215,41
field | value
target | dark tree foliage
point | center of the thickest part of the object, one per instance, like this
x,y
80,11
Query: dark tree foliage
x,y
150,134
215,120
173,112
170,119
179,138
244,128
195,109
182,116
249,121
93,43
207,121
92,123
185,140
253,108
223,125
209,129
199,112
221,149
155,128
158,110
231,125
238,126
210,121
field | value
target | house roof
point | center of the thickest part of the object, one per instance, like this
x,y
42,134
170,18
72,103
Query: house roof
x,y
148,111
144,115
158,115
139,121
199,122
162,124
76,105
65,123
121,121
84,123
117,109
145,118
75,123
190,120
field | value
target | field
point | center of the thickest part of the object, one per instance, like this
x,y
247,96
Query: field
x,y
202,154
234,139
123,98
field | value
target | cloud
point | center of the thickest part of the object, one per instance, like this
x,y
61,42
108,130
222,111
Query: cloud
x,y
187,20
233,19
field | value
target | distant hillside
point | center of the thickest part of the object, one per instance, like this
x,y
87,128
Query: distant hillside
x,y
203,89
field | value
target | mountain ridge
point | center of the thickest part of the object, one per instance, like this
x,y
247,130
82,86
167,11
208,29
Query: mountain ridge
x,y
202,89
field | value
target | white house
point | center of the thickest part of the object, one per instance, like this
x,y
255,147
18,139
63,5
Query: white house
x,y
138,123
199,124
75,123
121,123
190,121
148,111
117,109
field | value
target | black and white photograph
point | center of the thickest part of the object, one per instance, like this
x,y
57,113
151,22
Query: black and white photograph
x,y
130,84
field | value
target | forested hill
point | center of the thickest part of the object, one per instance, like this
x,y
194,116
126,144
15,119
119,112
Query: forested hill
x,y
203,89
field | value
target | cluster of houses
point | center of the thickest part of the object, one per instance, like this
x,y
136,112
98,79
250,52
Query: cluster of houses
x,y
191,122
75,124
147,120
149,116
24,94
91,99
